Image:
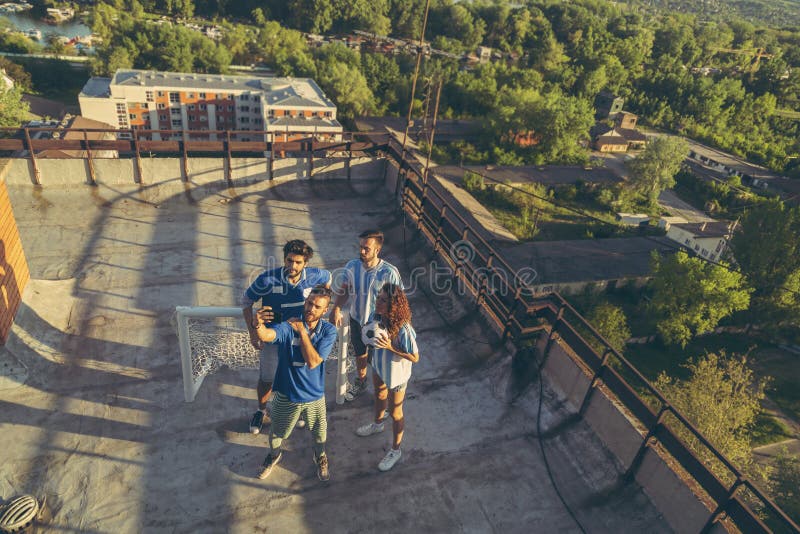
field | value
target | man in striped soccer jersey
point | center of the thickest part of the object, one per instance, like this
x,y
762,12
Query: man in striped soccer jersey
x,y
282,291
360,283
304,344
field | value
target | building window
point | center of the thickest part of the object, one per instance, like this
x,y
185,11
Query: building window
x,y
258,120
271,113
161,106
175,111
256,109
244,119
190,95
121,108
704,252
256,98
244,108
160,93
244,97
175,97
132,116
203,118
191,107
203,107
220,119
230,97
328,114
192,117
176,123
315,113
148,95
162,117
202,95
686,242
230,108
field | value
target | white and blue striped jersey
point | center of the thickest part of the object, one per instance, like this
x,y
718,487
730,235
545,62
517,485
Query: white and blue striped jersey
x,y
274,290
394,370
364,285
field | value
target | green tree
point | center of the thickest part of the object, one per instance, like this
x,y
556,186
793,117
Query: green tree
x,y
655,168
285,51
767,249
690,296
722,397
13,110
612,324
347,87
785,480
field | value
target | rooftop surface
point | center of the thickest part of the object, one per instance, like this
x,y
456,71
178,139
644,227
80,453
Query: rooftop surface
x,y
101,428
279,91
554,175
582,260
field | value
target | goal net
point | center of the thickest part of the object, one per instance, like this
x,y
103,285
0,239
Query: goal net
x,y
212,337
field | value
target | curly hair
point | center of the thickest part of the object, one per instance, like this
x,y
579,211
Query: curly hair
x,y
399,311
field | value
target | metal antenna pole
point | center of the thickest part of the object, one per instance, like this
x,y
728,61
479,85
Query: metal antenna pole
x,y
414,82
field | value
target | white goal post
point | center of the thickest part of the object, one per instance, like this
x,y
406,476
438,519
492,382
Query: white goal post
x,y
212,336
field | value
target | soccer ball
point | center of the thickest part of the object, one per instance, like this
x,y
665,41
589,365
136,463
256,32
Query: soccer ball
x,y
371,331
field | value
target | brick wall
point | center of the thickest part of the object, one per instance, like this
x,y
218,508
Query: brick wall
x,y
13,267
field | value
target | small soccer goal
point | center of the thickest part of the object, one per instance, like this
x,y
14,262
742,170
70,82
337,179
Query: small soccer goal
x,y
212,337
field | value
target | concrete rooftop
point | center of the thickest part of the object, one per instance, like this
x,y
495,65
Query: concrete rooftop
x,y
101,429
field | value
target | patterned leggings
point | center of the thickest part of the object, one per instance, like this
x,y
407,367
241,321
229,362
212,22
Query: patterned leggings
x,y
285,415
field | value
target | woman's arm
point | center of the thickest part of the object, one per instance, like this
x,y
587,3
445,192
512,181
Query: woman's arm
x,y
388,344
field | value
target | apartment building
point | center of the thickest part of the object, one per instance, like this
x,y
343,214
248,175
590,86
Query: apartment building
x,y
288,108
709,240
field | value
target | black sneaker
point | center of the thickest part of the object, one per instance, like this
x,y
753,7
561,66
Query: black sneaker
x,y
356,389
269,463
322,467
256,422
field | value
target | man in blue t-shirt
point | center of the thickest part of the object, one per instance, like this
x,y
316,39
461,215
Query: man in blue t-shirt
x,y
360,282
283,292
304,344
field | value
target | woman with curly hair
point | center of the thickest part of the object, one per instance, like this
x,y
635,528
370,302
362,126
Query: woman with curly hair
x,y
391,356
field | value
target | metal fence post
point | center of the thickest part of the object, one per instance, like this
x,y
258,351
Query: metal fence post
x,y
597,380
721,506
648,440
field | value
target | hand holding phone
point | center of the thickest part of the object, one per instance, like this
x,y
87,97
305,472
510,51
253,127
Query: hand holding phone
x,y
268,315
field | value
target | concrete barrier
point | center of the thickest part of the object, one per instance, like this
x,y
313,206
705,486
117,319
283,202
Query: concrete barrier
x,y
200,171
682,509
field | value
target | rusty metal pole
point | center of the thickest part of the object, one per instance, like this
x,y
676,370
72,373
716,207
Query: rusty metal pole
x,y
228,158
413,92
185,157
92,179
138,178
36,173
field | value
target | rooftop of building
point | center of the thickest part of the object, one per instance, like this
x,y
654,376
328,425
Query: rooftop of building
x,y
706,229
101,428
739,165
587,260
554,175
279,91
97,87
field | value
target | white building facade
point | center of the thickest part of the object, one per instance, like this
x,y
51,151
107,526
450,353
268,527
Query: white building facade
x,y
287,108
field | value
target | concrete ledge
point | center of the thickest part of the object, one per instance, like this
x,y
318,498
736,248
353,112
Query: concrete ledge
x,y
682,509
199,171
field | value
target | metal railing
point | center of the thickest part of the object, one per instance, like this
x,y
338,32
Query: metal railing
x,y
86,143
519,313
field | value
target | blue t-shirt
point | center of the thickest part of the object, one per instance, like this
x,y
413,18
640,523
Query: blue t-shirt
x,y
293,377
365,284
274,290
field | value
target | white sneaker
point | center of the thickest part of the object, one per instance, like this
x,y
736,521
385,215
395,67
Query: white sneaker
x,y
391,458
301,423
369,429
